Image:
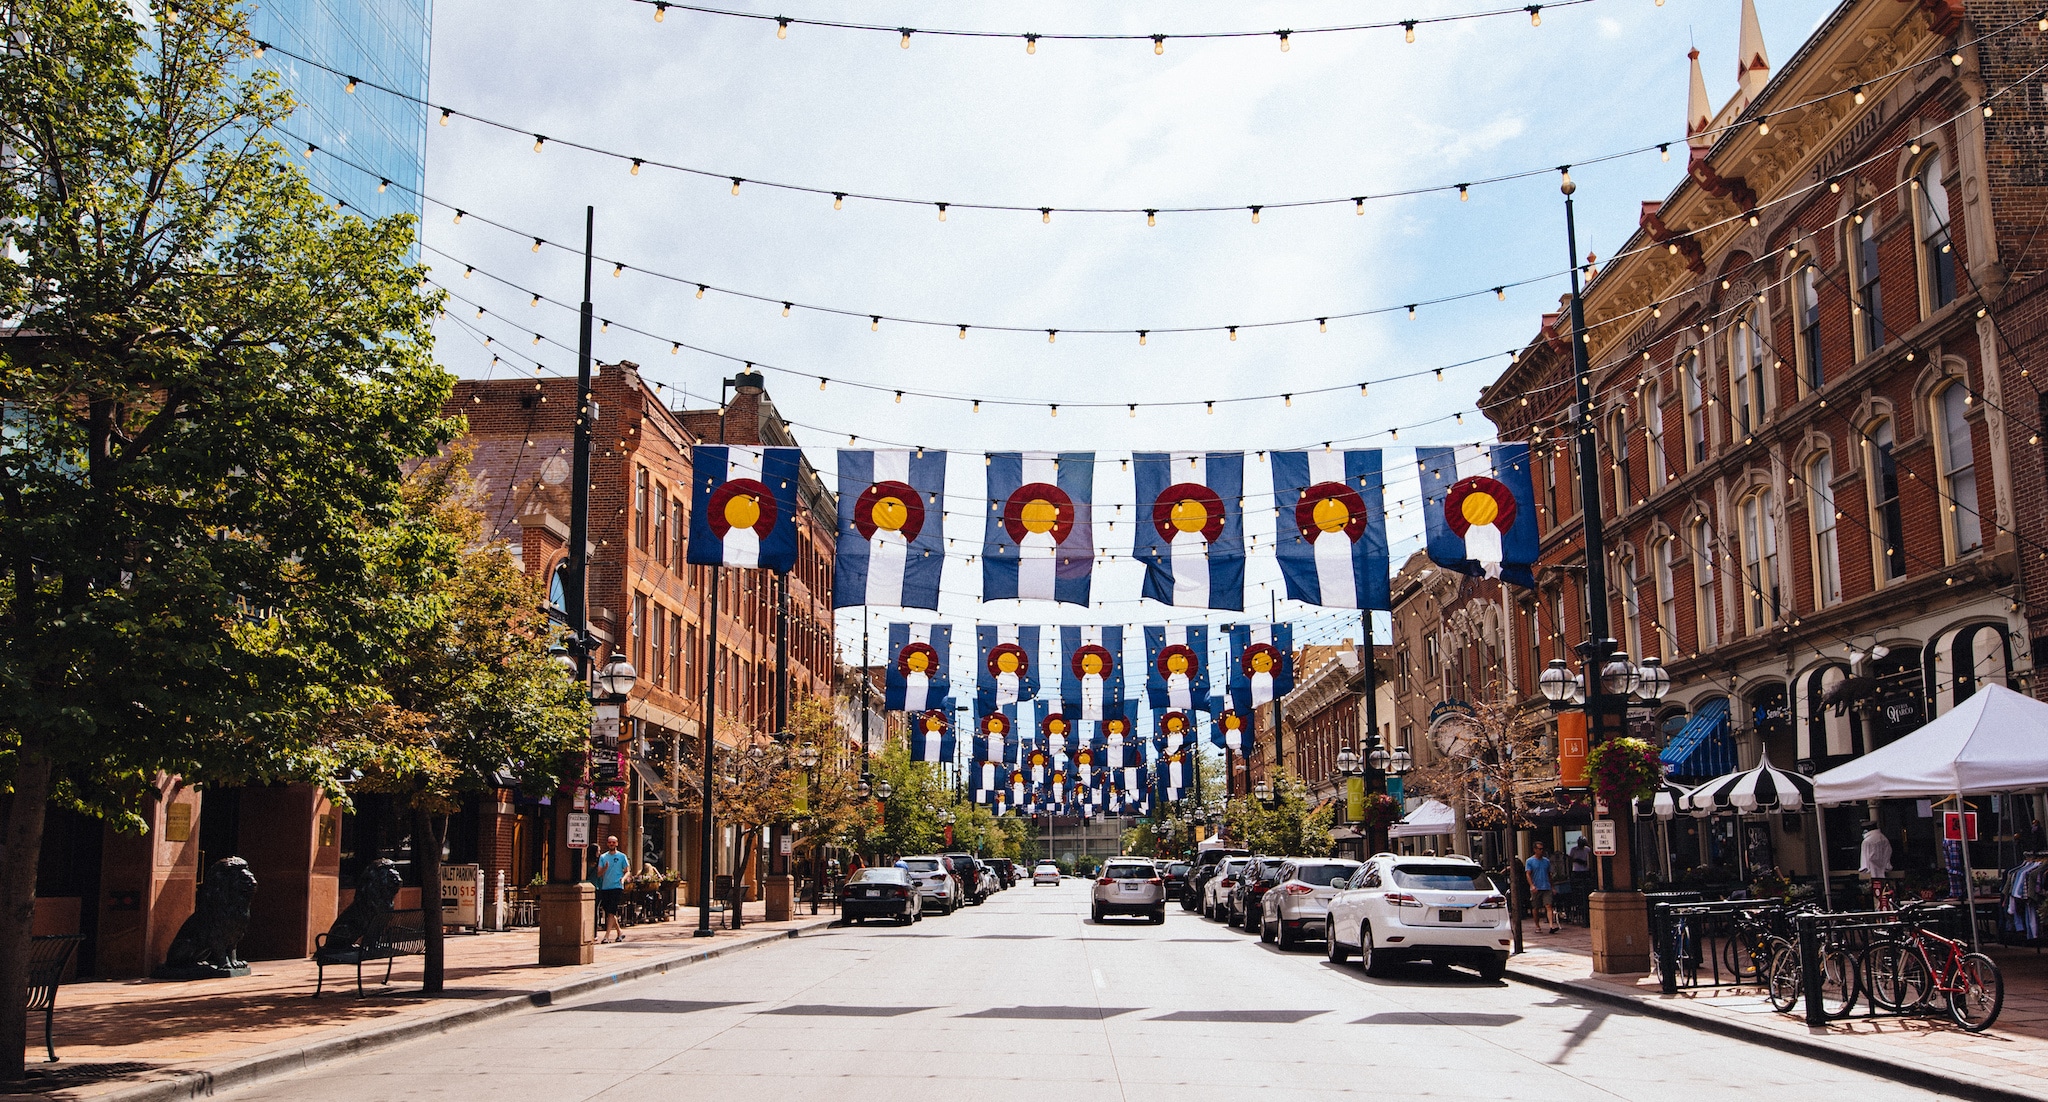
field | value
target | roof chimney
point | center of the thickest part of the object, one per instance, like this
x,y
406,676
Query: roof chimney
x,y
1752,68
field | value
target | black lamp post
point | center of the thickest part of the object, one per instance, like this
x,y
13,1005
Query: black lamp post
x,y
807,758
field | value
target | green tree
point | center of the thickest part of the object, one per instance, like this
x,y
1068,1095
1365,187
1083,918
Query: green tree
x,y
469,688
212,382
910,821
1291,828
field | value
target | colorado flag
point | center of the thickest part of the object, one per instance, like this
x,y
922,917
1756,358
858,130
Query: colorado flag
x,y
1091,670
1479,506
1228,729
1191,527
1332,527
931,735
1177,666
1040,537
1006,665
891,537
918,673
1261,664
744,506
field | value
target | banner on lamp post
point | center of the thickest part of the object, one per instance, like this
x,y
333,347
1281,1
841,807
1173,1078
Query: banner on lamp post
x,y
1354,799
1571,749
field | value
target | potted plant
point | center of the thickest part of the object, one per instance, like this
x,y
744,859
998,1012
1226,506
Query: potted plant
x,y
1624,769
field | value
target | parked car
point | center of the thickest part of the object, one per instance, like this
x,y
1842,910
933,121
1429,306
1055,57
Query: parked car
x,y
1207,861
1176,875
1442,909
1045,873
1215,894
968,868
1243,904
1130,885
1297,906
881,893
1006,871
936,882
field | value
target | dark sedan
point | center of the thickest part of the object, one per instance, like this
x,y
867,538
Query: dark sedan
x,y
1176,875
881,893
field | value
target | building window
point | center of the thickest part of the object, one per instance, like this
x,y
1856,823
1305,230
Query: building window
x,y
1827,561
1958,470
1889,528
676,659
640,484
1617,431
1667,595
636,632
1706,611
1691,367
1432,659
1653,434
657,648
1759,560
691,683
679,526
1869,302
1937,254
1746,371
1401,668
1631,607
1550,487
1806,288
661,524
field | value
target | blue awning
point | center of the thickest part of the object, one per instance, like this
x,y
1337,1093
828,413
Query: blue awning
x,y
1703,747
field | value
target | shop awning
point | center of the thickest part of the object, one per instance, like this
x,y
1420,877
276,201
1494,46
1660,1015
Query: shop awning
x,y
1703,748
652,783
1434,817
1996,741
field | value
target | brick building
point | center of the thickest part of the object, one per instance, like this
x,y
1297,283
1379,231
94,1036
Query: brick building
x,y
1815,434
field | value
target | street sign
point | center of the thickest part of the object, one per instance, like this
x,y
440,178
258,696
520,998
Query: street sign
x,y
788,845
579,828
459,902
1957,826
1604,837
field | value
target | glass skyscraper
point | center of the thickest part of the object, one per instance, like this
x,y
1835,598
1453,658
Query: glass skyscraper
x,y
373,135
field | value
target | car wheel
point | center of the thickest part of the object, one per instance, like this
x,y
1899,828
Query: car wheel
x,y
1265,931
1095,913
1332,948
1375,964
1284,937
1493,969
905,920
1159,916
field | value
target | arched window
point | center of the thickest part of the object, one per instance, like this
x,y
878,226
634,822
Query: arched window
x,y
1930,213
1706,610
1868,304
1888,520
1759,561
1667,597
1958,470
1827,559
1746,371
1631,606
1653,433
1617,434
1806,295
640,489
1691,367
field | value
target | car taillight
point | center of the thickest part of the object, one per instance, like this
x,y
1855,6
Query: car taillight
x,y
1299,889
1493,902
1402,899
1229,883
899,893
1155,880
1105,881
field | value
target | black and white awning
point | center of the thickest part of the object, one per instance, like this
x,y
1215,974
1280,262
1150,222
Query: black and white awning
x,y
1751,792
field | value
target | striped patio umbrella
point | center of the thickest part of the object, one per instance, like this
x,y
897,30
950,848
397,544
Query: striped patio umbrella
x,y
1761,790
1664,804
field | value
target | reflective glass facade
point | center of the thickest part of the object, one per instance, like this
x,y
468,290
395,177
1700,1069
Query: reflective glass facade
x,y
384,41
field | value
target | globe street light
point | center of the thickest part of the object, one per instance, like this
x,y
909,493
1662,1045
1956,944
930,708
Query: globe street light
x,y
617,678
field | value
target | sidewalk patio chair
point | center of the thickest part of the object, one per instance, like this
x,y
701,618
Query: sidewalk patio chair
x,y
47,956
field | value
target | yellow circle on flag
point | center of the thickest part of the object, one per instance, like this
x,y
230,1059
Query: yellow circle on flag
x,y
1479,509
890,513
1189,515
742,511
1039,515
1006,663
1262,663
1176,663
1331,515
1091,665
917,661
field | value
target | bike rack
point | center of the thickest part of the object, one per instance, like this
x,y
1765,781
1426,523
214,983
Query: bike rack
x,y
1812,925
1708,923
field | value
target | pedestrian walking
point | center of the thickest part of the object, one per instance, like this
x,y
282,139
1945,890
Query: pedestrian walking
x,y
1538,867
611,887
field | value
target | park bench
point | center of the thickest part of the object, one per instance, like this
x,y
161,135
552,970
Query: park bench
x,y
47,956
395,941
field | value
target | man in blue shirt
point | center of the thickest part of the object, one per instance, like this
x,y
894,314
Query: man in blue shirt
x,y
611,887
1538,866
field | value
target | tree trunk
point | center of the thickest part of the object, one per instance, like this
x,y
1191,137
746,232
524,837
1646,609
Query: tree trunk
x,y
426,857
24,847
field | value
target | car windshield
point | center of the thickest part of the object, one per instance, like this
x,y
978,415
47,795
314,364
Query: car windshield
x,y
1443,878
1129,872
1321,875
879,876
1047,868
1178,868
922,864
1234,866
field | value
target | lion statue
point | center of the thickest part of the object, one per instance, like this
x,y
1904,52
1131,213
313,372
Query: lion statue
x,y
206,943
362,924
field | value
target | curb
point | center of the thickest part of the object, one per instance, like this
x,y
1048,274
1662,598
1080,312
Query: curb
x,y
256,1069
1896,1070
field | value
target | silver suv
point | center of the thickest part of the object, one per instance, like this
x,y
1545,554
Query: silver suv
x,y
1299,905
1130,885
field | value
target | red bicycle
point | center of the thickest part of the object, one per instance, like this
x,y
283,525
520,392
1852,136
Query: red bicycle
x,y
1909,970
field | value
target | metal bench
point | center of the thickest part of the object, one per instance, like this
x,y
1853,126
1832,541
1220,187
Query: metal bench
x,y
47,956
396,941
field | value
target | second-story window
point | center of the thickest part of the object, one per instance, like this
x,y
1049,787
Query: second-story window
x,y
1806,290
1889,531
1667,596
1631,607
660,538
1691,368
657,647
1746,371
640,491
1759,561
1958,471
1706,610
1937,252
1617,433
678,533
1653,433
1863,266
1827,565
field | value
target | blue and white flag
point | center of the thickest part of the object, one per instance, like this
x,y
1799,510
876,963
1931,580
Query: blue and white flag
x,y
1040,537
1055,730
995,736
891,529
1091,670
1177,666
1227,727
1176,730
1006,665
743,506
1173,773
919,673
1479,509
1332,527
931,735
1191,527
1261,664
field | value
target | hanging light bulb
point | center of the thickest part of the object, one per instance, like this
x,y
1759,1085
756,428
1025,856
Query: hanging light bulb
x,y
1255,216
617,269
1535,15
899,397
1408,26
781,27
1664,151
821,382
675,348
1860,97
1359,201
1956,59
535,302
1362,389
906,38
351,89
1464,193
1763,124
1158,43
635,170
1051,335
1212,408
1411,311
468,270
1500,293
838,200
1030,43
660,11
381,185
977,408
874,323
262,46
1055,410
310,150
700,290
785,309
538,141
1134,410
963,332
1283,41
1288,399
1233,331
605,325
942,212
1322,325
1141,336
445,112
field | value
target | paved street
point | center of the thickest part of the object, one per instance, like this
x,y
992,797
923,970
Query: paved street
x,y
1023,996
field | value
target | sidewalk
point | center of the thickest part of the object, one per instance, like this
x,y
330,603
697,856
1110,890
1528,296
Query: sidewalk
x,y
149,1040
2009,1061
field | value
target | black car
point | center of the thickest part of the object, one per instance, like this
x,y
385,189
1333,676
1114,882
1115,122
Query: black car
x,y
1202,871
1176,875
881,892
1245,899
1006,871
968,868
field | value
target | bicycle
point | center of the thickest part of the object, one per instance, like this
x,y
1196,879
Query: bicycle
x,y
1841,968
1919,964
1752,939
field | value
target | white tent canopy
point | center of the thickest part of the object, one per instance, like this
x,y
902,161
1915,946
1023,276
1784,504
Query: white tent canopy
x,y
1996,741
1432,818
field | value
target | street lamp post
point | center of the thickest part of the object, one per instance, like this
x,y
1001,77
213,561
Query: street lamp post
x,y
807,758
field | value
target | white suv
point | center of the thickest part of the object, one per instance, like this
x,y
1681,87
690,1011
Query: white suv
x,y
1441,909
1298,905
938,885
1129,885
1216,893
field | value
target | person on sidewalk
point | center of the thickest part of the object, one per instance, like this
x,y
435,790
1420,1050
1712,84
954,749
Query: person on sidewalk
x,y
1544,908
1581,855
611,887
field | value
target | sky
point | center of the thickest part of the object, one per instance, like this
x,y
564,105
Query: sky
x,y
1231,122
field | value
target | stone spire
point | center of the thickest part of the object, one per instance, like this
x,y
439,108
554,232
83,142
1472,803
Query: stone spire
x,y
1698,116
1752,66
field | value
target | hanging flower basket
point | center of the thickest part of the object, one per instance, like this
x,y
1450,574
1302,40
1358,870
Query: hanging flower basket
x,y
1624,769
1380,811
